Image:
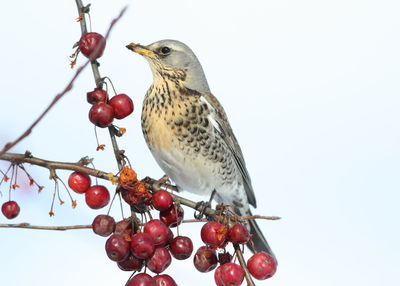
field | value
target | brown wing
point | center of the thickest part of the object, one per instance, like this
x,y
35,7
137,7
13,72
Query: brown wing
x,y
224,128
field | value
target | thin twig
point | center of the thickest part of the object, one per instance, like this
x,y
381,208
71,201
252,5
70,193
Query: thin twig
x,y
27,225
242,263
69,86
53,165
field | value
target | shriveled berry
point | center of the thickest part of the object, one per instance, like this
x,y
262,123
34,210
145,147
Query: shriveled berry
x,y
262,265
229,274
79,182
205,259
96,96
173,216
142,245
214,233
160,260
181,247
10,209
117,248
141,279
122,104
92,45
103,225
224,258
101,114
162,200
131,263
164,280
239,234
97,197
157,230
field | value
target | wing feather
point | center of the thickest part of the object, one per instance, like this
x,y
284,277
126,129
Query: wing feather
x,y
222,126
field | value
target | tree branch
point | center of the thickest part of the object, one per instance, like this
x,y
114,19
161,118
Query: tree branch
x,y
52,165
27,225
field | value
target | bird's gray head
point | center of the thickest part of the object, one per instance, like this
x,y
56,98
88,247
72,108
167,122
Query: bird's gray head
x,y
173,59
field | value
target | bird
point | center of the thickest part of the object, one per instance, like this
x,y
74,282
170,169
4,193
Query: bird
x,y
188,132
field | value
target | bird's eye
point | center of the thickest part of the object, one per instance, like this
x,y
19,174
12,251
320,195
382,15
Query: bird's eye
x,y
165,50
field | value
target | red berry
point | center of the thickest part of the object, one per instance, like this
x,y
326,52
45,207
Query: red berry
x,y
164,280
173,216
122,104
117,248
101,114
214,234
157,230
10,209
160,260
229,274
122,226
205,259
97,197
142,245
239,234
131,263
262,265
79,182
217,277
181,247
96,96
170,237
103,225
141,279
162,200
92,45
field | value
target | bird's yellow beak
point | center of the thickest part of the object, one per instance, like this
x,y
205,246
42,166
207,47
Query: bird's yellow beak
x,y
141,50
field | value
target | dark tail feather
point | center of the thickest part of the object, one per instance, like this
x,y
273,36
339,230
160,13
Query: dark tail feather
x,y
259,241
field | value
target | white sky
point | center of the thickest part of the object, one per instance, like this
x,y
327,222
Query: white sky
x,y
311,90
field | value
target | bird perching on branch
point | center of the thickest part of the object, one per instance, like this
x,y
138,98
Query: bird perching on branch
x,y
188,132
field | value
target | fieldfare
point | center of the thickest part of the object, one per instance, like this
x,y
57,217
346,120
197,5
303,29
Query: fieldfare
x,y
188,132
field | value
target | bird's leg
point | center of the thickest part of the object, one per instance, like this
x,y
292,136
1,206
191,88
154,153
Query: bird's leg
x,y
162,181
201,207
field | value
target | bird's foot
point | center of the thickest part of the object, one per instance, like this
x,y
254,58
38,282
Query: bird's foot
x,y
200,208
162,181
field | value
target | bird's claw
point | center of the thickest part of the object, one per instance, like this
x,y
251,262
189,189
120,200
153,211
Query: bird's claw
x,y
200,209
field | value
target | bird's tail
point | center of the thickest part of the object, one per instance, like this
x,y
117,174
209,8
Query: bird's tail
x,y
258,239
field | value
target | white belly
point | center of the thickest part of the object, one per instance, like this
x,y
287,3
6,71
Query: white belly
x,y
190,173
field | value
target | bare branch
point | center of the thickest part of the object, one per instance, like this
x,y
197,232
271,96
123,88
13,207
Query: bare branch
x,y
27,225
53,165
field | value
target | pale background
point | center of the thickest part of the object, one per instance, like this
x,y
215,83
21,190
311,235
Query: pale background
x,y
312,92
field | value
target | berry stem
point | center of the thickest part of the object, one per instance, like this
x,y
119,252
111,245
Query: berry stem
x,y
242,262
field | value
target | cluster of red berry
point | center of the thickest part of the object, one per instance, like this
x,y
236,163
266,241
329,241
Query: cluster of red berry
x,y
152,246
216,235
104,110
96,196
